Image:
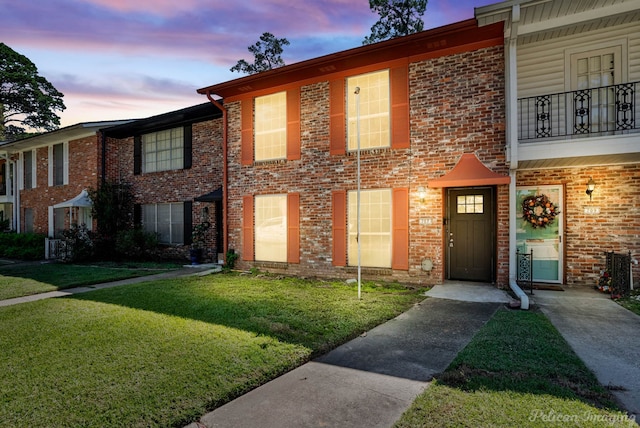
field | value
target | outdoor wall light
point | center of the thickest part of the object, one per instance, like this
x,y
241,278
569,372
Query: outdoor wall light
x,y
422,193
591,185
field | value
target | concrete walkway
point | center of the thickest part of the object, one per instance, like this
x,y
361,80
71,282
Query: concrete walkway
x,y
371,380
188,270
603,334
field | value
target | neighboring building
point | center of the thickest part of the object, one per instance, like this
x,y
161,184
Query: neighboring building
x,y
44,178
173,163
426,103
573,81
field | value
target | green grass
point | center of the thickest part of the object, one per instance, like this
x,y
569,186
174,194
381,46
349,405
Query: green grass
x,y
517,371
164,353
632,303
24,279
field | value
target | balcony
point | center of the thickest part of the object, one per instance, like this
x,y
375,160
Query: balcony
x,y
605,111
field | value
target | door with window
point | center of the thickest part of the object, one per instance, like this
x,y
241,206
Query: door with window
x,y
471,234
539,231
592,78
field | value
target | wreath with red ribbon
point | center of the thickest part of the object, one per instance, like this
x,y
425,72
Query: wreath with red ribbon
x,y
539,211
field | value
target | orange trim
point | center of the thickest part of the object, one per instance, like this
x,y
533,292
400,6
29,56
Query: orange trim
x,y
469,171
293,228
339,227
247,132
247,228
293,124
453,38
337,124
399,82
400,229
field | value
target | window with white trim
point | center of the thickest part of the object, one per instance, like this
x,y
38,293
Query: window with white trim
x,y
163,150
58,164
271,127
271,228
29,169
166,220
370,109
375,228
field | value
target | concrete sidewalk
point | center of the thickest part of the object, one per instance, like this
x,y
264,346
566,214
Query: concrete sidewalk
x,y
603,334
371,380
186,271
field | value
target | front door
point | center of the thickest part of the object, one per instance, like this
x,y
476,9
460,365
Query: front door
x,y
471,234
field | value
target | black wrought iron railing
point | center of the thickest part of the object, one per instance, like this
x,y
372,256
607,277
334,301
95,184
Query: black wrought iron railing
x,y
608,110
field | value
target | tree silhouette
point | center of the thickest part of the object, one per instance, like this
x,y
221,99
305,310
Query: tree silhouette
x,y
397,18
266,54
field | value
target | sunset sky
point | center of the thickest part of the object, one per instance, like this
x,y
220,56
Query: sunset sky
x,y
126,59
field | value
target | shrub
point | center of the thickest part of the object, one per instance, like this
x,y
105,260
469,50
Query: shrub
x,y
136,243
79,243
23,246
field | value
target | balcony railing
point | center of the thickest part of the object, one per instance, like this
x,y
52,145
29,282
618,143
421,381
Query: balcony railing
x,y
608,110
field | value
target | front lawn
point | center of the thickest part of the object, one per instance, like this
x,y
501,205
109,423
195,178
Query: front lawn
x,y
164,353
24,279
517,371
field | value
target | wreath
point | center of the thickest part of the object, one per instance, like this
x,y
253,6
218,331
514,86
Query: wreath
x,y
539,211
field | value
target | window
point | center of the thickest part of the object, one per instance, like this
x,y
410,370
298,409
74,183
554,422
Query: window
x,y
28,169
166,220
374,111
271,127
271,228
58,222
375,228
163,150
28,220
58,165
470,204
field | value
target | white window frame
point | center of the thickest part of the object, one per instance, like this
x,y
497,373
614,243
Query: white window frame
x,y
153,228
367,222
270,229
372,123
65,164
176,145
270,127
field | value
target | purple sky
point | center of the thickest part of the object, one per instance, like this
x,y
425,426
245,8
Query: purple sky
x,y
124,59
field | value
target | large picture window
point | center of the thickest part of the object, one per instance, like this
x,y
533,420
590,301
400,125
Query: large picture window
x,y
271,228
163,150
271,127
166,220
374,107
375,228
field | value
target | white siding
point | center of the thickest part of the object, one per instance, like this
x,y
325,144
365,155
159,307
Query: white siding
x,y
541,65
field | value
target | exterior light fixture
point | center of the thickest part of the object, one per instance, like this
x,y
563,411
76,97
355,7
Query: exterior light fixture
x,y
422,193
591,185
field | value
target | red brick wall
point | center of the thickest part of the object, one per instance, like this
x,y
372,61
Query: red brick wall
x,y
83,174
588,236
449,117
204,176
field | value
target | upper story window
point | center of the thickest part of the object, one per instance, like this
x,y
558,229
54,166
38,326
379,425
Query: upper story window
x,y
271,127
370,109
58,164
28,166
163,150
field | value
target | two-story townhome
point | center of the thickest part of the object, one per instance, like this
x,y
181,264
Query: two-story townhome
x,y
389,157
173,163
573,136
45,178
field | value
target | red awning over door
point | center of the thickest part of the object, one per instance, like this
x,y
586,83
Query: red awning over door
x,y
469,171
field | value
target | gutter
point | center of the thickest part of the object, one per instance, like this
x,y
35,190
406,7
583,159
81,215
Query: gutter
x,y
225,204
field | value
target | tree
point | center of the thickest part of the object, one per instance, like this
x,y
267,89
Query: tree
x,y
266,52
26,98
397,18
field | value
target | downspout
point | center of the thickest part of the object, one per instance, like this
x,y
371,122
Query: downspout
x,y
225,234
511,71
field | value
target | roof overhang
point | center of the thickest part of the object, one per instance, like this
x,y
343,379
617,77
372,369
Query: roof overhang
x,y
469,172
82,200
214,196
458,37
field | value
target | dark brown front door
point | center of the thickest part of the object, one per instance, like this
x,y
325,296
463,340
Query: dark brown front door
x,y
471,234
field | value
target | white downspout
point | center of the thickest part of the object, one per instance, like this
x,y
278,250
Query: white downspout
x,y
511,71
